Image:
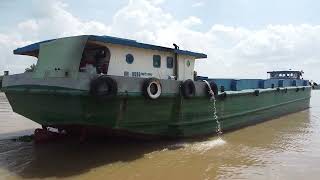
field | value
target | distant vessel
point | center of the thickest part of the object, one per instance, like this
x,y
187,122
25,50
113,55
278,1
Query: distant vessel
x,y
119,86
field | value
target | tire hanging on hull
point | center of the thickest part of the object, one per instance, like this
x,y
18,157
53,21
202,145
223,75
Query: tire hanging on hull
x,y
152,88
212,89
188,89
103,86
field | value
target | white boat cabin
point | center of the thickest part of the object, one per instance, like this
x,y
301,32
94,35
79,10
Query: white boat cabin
x,y
285,74
70,56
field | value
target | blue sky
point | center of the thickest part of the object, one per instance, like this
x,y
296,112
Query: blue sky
x,y
248,13
238,35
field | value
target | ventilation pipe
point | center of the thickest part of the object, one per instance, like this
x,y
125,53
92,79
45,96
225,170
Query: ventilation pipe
x,y
176,47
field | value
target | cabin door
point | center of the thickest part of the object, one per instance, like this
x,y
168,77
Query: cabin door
x,y
95,57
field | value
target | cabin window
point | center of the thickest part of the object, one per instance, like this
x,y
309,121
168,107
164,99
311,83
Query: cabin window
x,y
129,58
188,63
170,62
95,59
156,61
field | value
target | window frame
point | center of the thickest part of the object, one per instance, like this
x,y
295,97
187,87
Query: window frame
x,y
156,58
170,58
127,60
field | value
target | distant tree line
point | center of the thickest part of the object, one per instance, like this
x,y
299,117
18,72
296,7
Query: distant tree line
x,y
31,68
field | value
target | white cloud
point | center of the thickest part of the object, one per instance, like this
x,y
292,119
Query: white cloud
x,y
52,20
191,21
7,60
140,17
198,4
29,25
157,2
236,52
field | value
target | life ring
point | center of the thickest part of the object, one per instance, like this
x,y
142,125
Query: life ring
x,y
188,89
152,88
103,86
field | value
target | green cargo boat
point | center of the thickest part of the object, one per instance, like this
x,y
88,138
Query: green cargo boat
x,y
103,84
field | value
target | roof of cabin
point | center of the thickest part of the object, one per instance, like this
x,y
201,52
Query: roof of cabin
x,y
32,49
290,71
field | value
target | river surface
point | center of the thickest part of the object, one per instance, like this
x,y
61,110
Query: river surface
x,y
283,148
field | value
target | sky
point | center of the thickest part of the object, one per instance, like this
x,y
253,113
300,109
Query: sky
x,y
242,38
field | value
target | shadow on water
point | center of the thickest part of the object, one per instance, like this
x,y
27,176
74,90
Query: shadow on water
x,y
68,158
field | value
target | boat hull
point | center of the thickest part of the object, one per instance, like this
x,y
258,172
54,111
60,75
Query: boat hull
x,y
168,116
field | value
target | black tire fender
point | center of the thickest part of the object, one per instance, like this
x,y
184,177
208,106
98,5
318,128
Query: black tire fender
x,y
103,86
214,88
188,89
256,92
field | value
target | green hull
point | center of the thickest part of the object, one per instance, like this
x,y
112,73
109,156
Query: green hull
x,y
166,116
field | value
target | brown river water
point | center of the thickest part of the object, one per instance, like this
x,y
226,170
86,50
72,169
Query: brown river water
x,y
283,148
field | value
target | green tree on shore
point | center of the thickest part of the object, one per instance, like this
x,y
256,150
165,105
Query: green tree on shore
x,y
31,68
